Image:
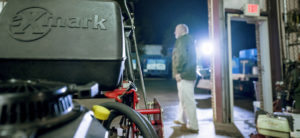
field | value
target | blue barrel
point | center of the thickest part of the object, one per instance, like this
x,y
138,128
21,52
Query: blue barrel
x,y
235,65
248,54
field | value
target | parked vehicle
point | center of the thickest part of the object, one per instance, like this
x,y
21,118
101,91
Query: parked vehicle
x,y
156,65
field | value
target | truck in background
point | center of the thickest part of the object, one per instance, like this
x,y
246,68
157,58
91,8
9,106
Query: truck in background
x,y
154,63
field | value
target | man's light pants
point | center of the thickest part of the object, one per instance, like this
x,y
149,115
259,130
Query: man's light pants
x,y
187,106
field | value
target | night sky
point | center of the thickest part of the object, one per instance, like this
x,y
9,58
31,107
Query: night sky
x,y
243,36
156,19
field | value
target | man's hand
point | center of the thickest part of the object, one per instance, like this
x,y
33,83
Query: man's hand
x,y
178,77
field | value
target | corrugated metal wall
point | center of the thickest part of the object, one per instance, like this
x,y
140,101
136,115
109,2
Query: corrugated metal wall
x,y
291,23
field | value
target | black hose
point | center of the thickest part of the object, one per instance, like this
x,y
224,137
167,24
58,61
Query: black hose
x,y
148,124
114,114
121,109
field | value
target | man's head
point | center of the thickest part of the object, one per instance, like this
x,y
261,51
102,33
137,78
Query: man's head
x,y
180,30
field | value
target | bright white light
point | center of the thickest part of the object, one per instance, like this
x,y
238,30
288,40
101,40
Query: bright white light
x,y
207,48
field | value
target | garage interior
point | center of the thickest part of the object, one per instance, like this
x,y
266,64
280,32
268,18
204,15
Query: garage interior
x,y
243,90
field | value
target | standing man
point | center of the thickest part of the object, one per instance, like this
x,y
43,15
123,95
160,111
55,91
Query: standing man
x,y
184,71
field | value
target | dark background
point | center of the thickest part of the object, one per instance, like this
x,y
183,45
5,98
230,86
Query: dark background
x,y
156,20
243,36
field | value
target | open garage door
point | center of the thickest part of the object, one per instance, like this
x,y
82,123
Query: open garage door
x,y
263,73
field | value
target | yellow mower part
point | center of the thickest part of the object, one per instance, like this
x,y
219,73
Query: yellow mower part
x,y
100,112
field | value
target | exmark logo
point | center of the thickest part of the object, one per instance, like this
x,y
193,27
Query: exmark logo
x,y
35,22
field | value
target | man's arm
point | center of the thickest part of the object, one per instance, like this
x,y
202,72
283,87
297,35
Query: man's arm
x,y
182,56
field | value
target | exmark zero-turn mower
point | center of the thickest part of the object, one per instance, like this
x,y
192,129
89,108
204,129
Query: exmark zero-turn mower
x,y
54,50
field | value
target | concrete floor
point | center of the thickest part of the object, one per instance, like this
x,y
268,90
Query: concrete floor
x,y
166,92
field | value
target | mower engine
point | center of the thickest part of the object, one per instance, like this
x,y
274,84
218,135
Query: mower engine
x,y
47,46
44,109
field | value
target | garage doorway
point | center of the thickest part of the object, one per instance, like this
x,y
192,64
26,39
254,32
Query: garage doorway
x,y
246,67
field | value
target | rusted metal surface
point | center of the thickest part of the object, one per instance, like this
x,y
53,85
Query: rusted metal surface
x,y
215,34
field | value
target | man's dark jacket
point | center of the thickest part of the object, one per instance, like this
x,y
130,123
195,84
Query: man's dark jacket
x,y
184,58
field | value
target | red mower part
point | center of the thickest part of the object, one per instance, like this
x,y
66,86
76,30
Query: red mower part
x,y
157,119
149,111
115,93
